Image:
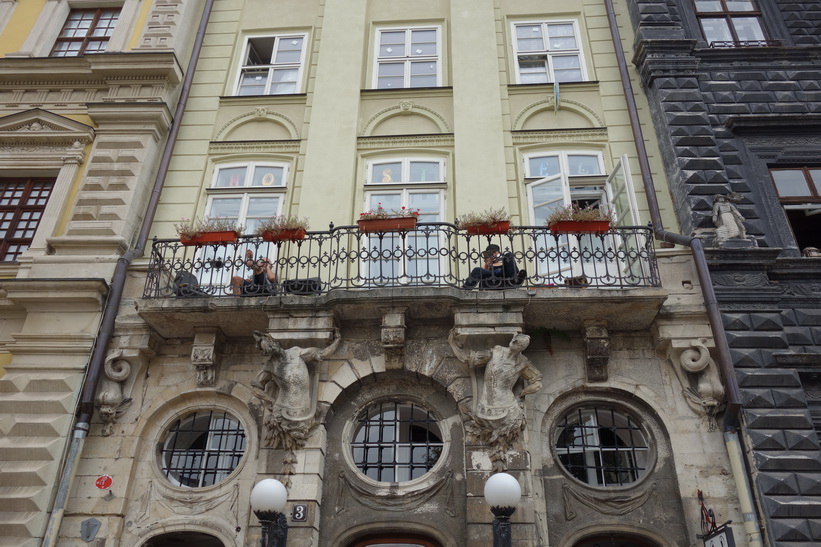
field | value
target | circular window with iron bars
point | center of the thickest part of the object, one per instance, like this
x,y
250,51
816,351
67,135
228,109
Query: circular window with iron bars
x,y
602,446
202,448
396,441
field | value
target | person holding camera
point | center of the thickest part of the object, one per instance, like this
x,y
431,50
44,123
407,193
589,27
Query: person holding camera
x,y
494,266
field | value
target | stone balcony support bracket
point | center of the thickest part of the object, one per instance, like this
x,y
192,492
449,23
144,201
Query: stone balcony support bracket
x,y
596,349
393,337
205,354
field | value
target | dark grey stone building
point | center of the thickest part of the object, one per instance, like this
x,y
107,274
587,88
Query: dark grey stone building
x,y
735,90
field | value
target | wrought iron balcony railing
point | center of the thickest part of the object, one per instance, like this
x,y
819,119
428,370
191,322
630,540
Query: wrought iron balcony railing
x,y
432,255
745,43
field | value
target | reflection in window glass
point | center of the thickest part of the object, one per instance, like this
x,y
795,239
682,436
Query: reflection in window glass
x,y
601,446
730,23
396,442
407,58
791,182
547,52
272,65
202,449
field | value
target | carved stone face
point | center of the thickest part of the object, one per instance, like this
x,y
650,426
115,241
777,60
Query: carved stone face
x,y
520,342
268,345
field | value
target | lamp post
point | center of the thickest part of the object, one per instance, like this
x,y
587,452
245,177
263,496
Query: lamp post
x,y
503,493
268,500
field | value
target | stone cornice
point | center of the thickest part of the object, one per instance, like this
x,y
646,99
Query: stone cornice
x,y
596,134
56,295
252,147
404,141
58,72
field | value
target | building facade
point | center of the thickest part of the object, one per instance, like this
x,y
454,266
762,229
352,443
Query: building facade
x,y
733,89
86,99
381,375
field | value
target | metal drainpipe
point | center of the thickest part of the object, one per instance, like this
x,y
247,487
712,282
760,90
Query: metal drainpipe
x,y
733,411
85,409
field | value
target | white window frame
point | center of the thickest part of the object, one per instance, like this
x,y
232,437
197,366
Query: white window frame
x,y
389,241
404,175
568,180
547,52
300,66
52,18
629,216
245,190
408,59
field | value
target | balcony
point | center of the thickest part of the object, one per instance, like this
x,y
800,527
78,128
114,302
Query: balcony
x,y
423,270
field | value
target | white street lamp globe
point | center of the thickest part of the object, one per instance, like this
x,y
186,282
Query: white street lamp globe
x,y
503,490
269,495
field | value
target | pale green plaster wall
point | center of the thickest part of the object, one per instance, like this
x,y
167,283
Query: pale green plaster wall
x,y
327,169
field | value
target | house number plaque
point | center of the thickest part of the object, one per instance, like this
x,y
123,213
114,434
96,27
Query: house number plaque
x,y
299,513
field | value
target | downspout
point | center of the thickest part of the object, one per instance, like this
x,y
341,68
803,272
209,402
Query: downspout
x,y
733,410
85,408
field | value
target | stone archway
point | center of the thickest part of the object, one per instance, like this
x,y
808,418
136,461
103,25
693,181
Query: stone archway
x,y
183,538
615,540
395,540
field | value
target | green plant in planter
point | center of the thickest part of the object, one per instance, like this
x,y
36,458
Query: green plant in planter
x,y
190,228
574,213
487,218
380,213
279,224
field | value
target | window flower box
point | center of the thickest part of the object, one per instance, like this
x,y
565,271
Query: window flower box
x,y
293,234
502,227
222,237
598,227
391,224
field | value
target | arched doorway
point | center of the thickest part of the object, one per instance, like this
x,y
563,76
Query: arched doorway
x,y
615,540
395,540
182,539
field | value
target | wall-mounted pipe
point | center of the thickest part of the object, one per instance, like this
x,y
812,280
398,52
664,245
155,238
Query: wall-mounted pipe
x,y
733,410
85,409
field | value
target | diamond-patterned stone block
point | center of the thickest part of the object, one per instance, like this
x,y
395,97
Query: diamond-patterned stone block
x,y
758,339
778,484
744,357
757,398
781,418
809,484
787,461
767,439
790,530
789,398
788,318
793,507
768,378
804,439
766,321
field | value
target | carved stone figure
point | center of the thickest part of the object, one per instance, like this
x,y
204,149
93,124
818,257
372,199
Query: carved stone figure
x,y
728,221
110,400
700,379
498,417
292,410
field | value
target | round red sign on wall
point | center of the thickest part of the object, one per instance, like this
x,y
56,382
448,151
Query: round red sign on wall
x,y
104,482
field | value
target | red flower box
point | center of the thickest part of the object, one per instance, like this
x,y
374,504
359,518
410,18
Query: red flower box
x,y
598,227
394,224
294,234
222,238
502,227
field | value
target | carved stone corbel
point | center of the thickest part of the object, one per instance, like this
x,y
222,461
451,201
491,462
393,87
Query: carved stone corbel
x,y
288,389
699,377
205,355
596,349
393,337
111,395
496,416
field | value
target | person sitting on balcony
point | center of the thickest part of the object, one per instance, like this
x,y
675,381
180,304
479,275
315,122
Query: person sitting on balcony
x,y
262,281
499,270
